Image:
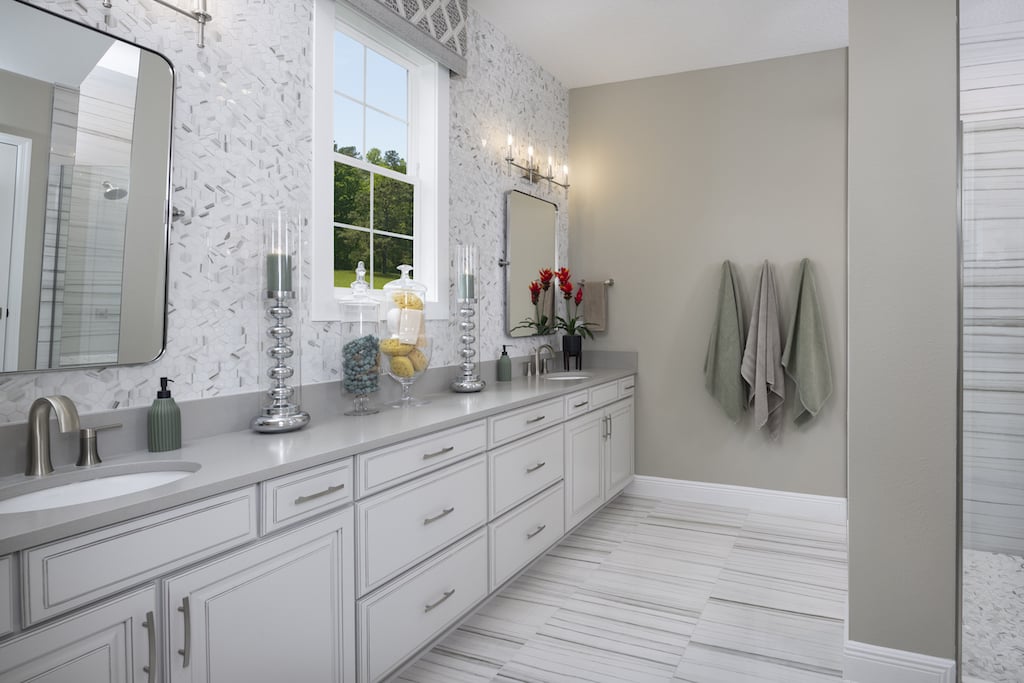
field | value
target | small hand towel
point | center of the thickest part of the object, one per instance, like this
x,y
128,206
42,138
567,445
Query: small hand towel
x,y
595,305
761,366
806,356
725,348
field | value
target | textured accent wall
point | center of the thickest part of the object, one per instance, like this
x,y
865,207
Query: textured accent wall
x,y
242,141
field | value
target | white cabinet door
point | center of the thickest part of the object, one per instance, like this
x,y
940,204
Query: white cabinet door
x,y
280,610
619,447
584,451
114,642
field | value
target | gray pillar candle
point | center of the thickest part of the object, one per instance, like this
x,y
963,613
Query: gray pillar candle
x,y
467,286
279,272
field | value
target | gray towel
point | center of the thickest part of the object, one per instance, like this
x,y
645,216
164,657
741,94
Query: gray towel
x,y
806,356
761,367
725,348
595,304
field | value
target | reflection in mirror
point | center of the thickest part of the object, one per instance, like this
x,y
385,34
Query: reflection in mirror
x,y
530,225
85,126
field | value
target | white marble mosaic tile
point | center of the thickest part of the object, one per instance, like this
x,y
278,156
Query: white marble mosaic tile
x,y
242,141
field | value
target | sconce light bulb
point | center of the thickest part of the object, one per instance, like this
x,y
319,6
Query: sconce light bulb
x,y
510,139
529,152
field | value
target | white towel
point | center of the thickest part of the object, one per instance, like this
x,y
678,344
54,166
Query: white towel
x,y
762,356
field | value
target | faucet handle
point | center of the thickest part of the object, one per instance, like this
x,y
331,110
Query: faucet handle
x,y
88,454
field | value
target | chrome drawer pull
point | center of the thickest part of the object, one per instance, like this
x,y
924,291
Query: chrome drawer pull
x,y
186,652
446,449
443,513
580,404
432,605
535,467
536,531
535,419
313,496
150,626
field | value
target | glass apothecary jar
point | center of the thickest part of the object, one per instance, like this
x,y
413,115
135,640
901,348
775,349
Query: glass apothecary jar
x,y
405,346
360,344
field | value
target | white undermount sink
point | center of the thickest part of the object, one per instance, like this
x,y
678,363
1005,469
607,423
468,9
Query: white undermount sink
x,y
87,485
565,376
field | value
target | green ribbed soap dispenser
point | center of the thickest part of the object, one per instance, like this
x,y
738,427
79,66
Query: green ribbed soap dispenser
x,y
164,421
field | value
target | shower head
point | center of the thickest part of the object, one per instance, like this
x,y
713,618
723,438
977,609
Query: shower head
x,y
112,191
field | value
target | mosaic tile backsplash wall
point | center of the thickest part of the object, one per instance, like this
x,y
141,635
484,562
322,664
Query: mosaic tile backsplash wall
x,y
242,141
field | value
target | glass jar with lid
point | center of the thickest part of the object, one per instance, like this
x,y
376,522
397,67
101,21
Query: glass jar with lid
x,y
405,346
360,344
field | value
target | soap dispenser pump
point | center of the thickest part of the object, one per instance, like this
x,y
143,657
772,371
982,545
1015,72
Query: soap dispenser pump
x,y
504,366
164,421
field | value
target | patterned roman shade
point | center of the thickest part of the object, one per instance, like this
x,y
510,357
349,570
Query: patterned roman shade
x,y
437,28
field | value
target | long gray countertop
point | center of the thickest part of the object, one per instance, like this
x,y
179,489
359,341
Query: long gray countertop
x,y
237,459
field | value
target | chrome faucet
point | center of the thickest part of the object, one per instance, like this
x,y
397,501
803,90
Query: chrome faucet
x,y
541,369
39,462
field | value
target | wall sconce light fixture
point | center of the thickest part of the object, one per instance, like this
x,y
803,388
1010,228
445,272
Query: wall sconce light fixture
x,y
198,13
531,171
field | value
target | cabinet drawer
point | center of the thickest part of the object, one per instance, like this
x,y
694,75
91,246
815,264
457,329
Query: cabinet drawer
x,y
523,534
386,467
523,468
302,495
577,404
603,394
399,528
6,595
61,576
517,423
400,619
627,386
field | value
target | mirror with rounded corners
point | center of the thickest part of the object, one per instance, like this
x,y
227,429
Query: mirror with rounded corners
x,y
530,226
85,136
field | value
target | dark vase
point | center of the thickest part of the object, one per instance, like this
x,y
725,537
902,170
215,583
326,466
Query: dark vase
x,y
572,347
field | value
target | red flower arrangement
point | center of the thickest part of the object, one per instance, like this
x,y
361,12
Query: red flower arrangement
x,y
572,325
541,323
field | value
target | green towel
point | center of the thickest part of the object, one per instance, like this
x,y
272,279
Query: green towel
x,y
725,348
806,356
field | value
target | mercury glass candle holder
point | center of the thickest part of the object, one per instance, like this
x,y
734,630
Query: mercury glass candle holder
x,y
466,296
280,410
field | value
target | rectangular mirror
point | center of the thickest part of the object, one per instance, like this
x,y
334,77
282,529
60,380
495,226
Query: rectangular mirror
x,y
530,226
85,135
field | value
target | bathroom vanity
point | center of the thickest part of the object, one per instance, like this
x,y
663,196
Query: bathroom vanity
x,y
332,554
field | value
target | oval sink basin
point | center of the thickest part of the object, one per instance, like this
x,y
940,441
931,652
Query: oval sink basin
x,y
565,376
90,485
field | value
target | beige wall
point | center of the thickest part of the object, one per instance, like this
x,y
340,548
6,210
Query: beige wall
x,y
903,324
672,175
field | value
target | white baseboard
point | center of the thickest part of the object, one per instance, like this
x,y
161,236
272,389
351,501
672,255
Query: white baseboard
x,y
864,663
825,508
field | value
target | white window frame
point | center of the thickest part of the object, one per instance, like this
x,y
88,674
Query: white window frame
x,y
427,163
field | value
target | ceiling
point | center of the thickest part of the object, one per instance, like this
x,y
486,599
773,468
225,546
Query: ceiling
x,y
588,42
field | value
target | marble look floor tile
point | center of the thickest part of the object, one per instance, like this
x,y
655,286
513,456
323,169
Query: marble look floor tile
x,y
794,641
646,590
444,665
791,564
547,660
550,580
704,664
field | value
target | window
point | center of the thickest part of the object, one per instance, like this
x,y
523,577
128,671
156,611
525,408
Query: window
x,y
380,161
